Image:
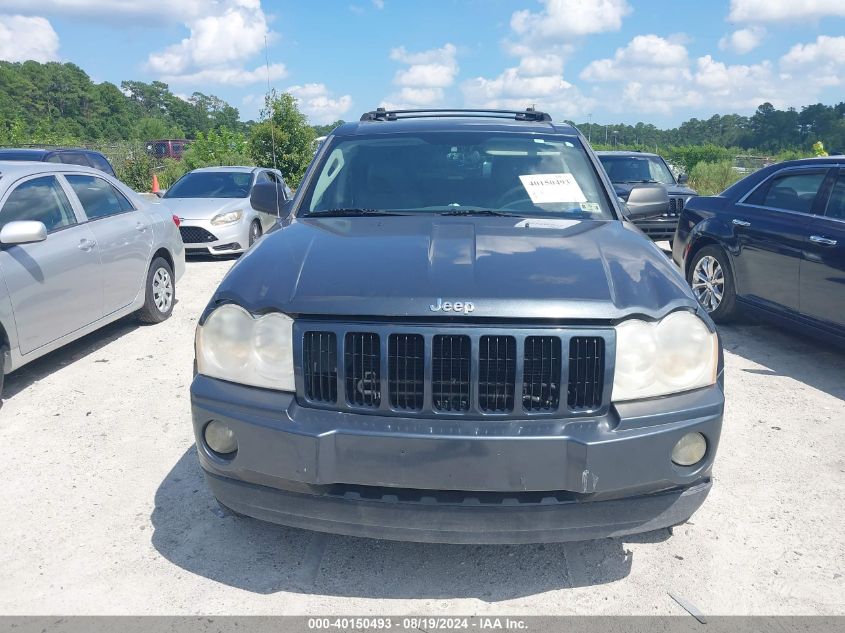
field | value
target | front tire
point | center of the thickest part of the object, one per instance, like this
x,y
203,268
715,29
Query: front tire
x,y
160,292
710,277
254,232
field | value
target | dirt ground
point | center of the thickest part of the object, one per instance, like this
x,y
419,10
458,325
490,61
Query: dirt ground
x,y
105,510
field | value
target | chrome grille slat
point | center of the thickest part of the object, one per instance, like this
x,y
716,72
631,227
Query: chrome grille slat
x,y
450,373
497,373
406,367
362,358
586,367
320,366
542,375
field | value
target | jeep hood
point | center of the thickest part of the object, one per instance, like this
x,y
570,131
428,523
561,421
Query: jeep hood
x,y
507,267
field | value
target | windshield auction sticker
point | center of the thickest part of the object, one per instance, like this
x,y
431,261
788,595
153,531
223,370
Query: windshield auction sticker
x,y
545,188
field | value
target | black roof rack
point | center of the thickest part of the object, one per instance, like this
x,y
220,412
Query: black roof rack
x,y
381,114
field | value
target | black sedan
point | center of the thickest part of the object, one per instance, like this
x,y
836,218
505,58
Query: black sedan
x,y
773,242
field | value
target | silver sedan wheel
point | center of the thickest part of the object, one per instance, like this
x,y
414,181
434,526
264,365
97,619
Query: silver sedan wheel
x,y
162,290
708,283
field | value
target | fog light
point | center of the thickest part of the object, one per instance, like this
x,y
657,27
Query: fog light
x,y
689,450
220,438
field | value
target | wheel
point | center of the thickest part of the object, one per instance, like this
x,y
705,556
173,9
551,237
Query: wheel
x,y
712,283
160,292
254,232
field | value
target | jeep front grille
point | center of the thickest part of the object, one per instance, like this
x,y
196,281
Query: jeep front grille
x,y
676,205
434,371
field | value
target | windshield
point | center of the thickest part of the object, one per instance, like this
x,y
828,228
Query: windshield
x,y
459,173
637,169
212,184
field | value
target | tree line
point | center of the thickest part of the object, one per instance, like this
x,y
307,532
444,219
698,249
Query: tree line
x,y
59,104
769,130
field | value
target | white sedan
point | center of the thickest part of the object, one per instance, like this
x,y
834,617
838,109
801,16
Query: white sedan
x,y
217,207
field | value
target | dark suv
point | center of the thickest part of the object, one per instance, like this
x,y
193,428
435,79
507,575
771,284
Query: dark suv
x,y
628,171
455,336
69,156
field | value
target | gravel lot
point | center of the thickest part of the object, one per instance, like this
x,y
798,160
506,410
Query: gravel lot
x,y
106,512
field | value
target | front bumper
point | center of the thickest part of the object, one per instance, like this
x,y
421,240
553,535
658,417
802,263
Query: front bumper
x,y
658,228
367,475
200,236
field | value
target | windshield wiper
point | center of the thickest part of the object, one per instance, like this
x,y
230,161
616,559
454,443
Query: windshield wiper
x,y
339,213
469,212
653,181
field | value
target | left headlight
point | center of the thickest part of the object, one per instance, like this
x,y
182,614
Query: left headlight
x,y
230,217
677,353
234,345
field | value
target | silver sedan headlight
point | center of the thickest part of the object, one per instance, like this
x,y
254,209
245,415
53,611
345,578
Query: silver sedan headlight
x,y
229,217
234,345
677,353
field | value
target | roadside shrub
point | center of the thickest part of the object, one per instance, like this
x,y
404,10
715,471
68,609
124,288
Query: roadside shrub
x,y
711,178
135,168
169,171
688,156
218,147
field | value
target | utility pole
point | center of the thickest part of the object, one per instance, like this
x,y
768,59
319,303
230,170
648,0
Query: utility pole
x,y
590,129
605,135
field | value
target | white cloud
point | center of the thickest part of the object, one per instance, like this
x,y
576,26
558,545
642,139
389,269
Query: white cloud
x,y
652,74
223,36
535,82
824,50
739,86
317,102
645,57
232,35
566,19
24,37
743,40
427,74
378,4
784,10
228,76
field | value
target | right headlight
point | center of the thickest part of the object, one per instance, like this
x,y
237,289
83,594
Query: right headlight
x,y
677,353
229,217
234,345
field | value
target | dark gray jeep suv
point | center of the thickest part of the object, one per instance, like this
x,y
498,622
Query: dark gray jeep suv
x,y
455,336
631,171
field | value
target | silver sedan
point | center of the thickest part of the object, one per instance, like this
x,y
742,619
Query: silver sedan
x,y
78,250
215,209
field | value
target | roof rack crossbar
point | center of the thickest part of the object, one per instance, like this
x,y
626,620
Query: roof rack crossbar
x,y
382,114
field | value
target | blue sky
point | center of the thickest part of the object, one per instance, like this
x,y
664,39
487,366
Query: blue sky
x,y
609,60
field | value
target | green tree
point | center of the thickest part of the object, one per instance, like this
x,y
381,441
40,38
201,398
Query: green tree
x,y
323,130
220,147
283,135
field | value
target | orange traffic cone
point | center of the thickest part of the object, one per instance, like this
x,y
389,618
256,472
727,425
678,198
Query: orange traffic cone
x,y
155,184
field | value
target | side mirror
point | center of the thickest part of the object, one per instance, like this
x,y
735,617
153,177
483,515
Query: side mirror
x,y
160,193
683,179
267,198
23,232
287,207
647,200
